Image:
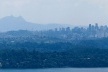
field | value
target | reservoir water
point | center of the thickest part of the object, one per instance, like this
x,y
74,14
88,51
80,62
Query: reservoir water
x,y
58,70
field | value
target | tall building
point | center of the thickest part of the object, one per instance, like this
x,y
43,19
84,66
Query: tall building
x,y
90,27
96,26
68,29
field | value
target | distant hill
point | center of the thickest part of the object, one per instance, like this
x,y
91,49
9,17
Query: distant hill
x,y
10,23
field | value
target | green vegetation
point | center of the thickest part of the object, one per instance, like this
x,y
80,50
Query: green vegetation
x,y
84,53
73,58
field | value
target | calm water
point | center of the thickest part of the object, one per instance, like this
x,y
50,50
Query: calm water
x,y
60,70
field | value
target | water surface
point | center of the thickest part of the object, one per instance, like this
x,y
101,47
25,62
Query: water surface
x,y
58,70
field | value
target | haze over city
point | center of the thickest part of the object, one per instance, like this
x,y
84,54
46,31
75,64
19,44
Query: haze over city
x,y
75,12
53,36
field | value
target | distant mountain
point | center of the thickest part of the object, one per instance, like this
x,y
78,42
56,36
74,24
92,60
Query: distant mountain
x,y
10,23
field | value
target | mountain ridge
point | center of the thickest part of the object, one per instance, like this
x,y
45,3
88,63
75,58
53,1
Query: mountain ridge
x,y
10,23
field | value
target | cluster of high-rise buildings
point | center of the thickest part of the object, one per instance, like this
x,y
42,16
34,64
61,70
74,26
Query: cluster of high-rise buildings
x,y
92,31
97,31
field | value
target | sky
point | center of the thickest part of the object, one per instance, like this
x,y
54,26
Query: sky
x,y
74,12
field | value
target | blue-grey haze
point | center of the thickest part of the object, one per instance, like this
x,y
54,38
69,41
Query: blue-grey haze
x,y
75,12
10,23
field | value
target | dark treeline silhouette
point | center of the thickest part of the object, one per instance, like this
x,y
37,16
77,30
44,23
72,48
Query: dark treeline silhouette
x,y
101,43
83,53
85,57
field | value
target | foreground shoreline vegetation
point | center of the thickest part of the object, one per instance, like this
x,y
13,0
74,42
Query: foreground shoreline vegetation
x,y
28,55
22,59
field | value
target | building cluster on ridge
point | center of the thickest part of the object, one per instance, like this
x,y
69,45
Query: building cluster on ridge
x,y
76,33
98,31
92,31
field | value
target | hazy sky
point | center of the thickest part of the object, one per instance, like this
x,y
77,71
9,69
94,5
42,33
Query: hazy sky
x,y
76,12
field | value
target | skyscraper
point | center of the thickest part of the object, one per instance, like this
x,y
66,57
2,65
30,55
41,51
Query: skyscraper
x,y
96,26
90,27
